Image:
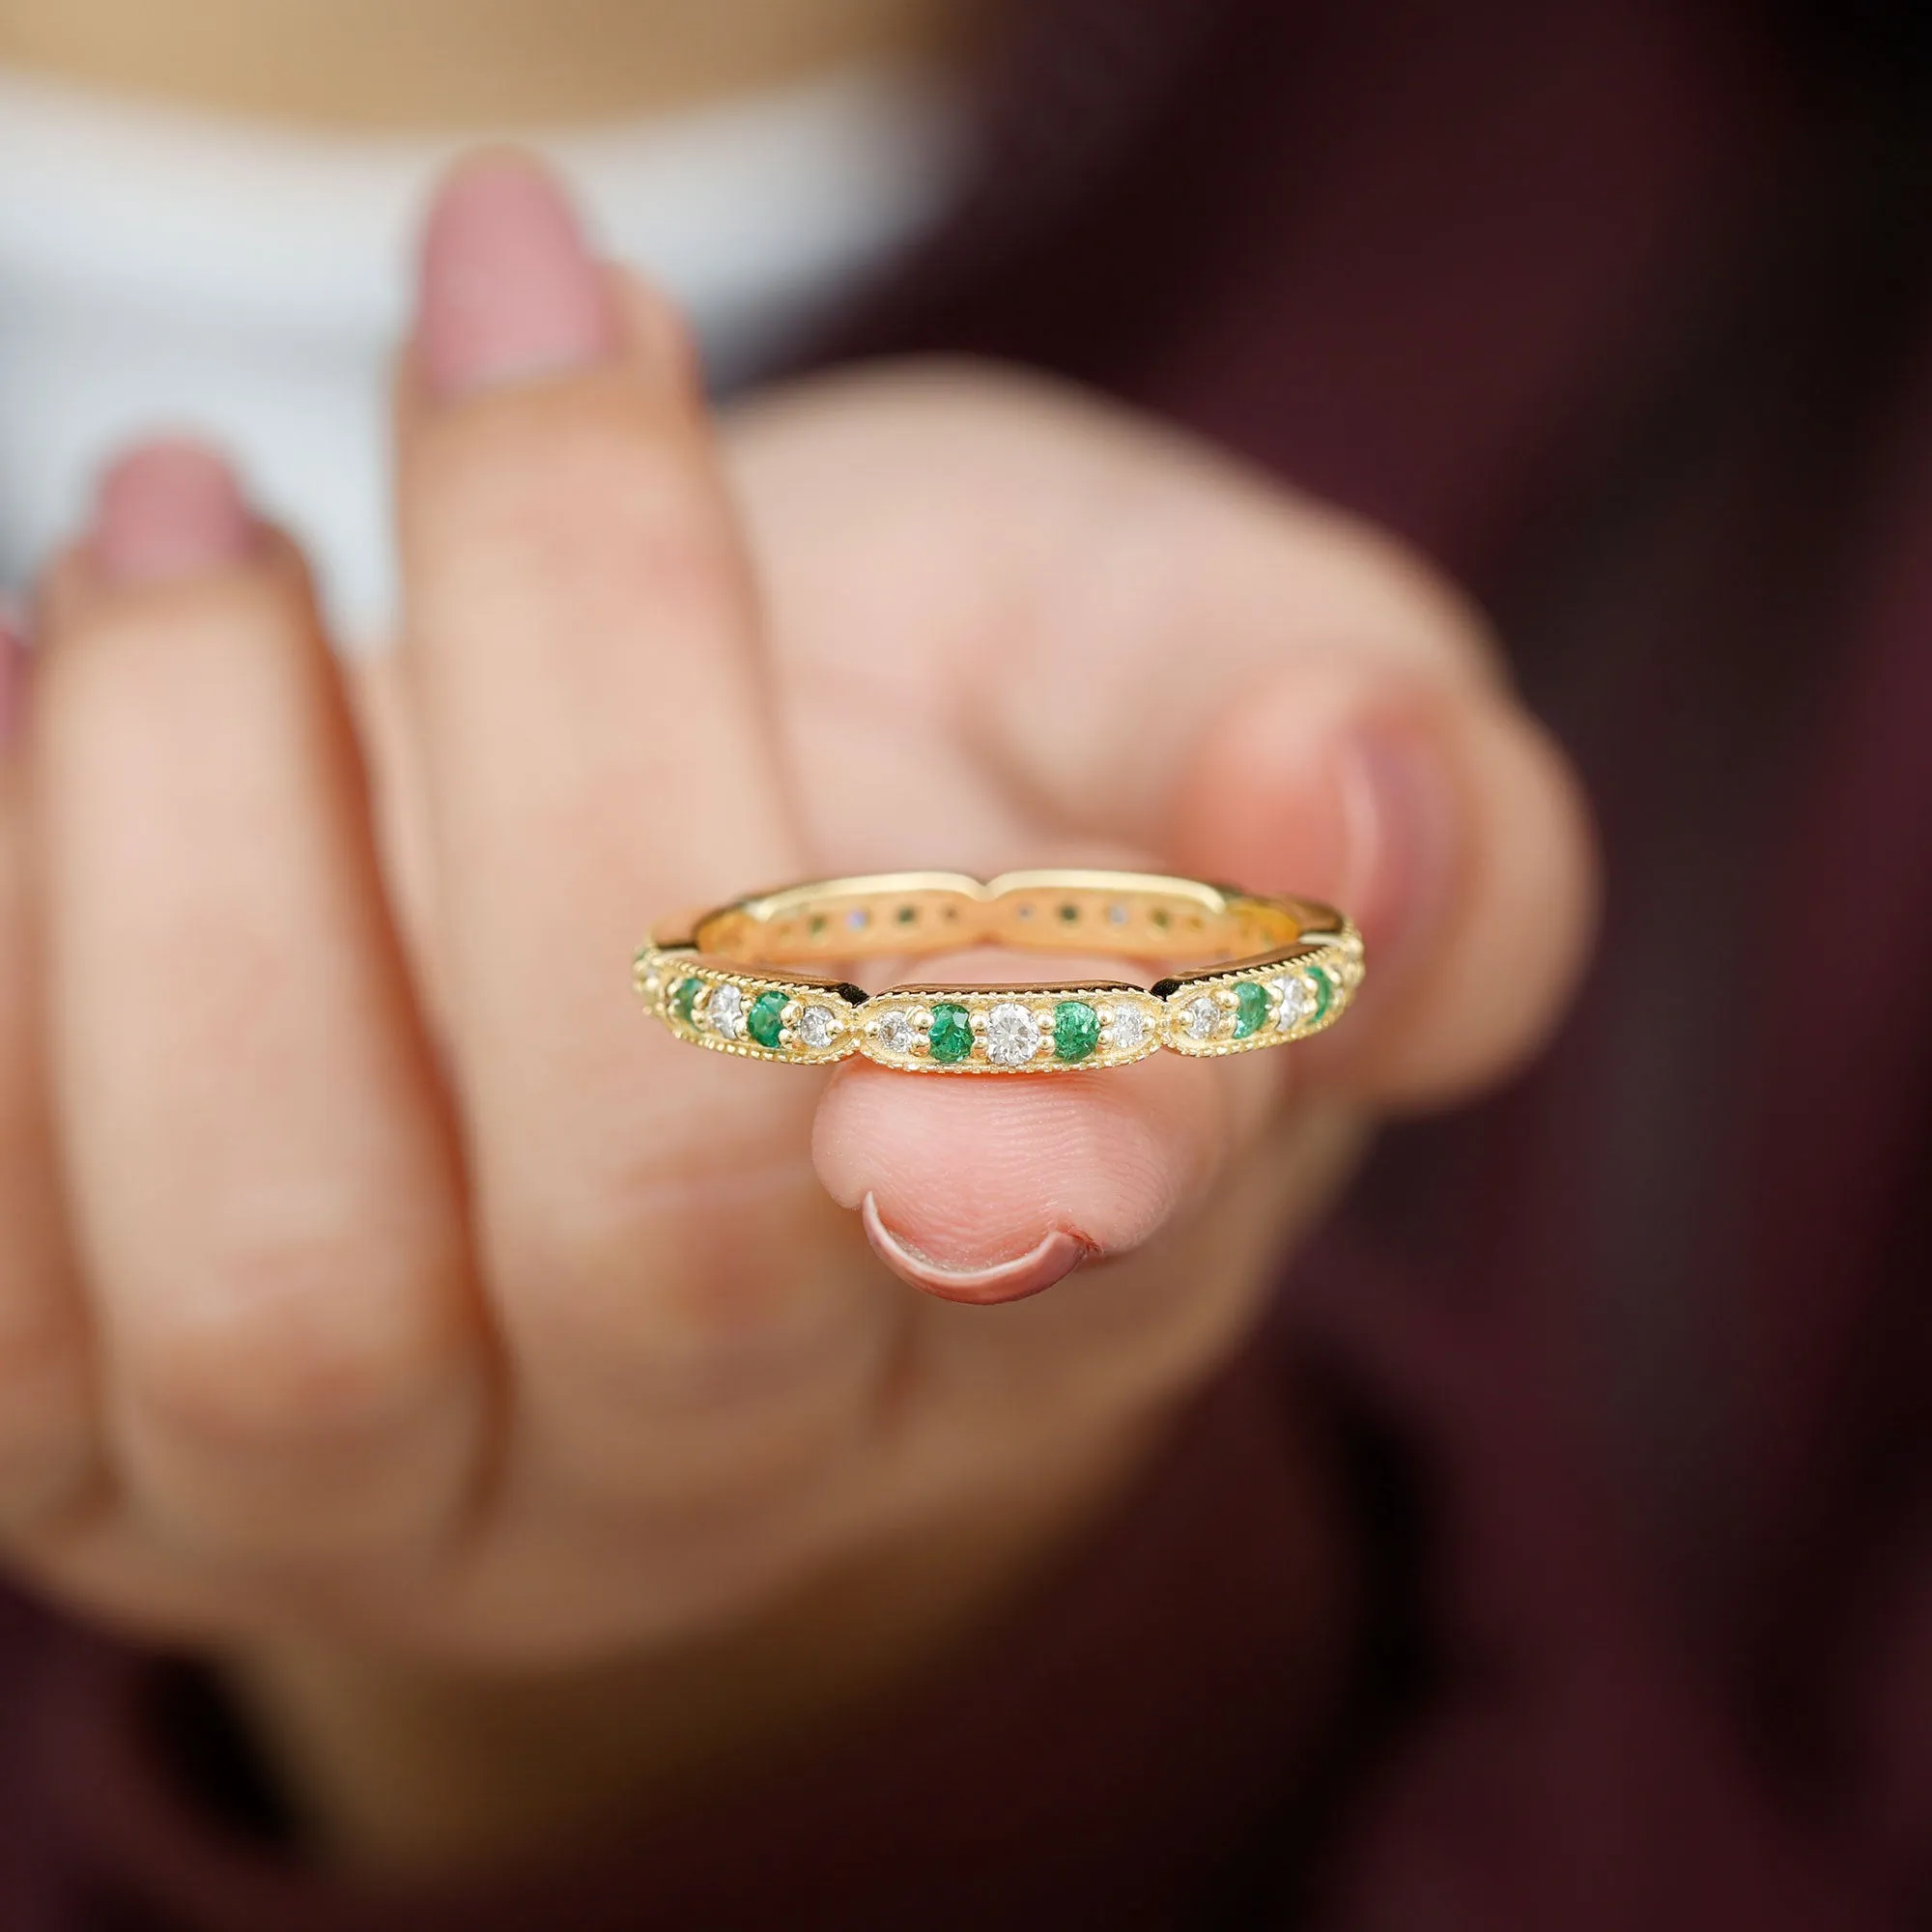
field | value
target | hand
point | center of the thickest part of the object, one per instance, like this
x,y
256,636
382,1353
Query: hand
x,y
387,1308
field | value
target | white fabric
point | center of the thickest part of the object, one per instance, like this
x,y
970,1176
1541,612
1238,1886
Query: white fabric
x,y
165,270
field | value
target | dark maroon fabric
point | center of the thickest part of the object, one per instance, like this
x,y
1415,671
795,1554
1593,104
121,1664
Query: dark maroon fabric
x,y
1618,309
1154,1743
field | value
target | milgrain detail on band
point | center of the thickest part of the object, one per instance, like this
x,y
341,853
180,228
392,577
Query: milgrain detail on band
x,y
1255,972
755,1015
1210,1014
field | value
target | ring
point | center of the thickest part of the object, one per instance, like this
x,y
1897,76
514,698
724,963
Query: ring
x,y
1260,972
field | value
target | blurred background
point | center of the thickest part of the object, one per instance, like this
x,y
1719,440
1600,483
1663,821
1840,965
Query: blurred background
x,y
209,210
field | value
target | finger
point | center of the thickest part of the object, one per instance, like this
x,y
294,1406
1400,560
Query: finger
x,y
266,1199
47,1462
1238,685
596,743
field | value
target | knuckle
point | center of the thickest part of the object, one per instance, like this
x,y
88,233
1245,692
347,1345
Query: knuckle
x,y
653,1279
295,1337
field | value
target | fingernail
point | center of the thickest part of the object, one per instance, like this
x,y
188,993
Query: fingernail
x,y
168,510
509,291
1053,1260
1401,811
12,674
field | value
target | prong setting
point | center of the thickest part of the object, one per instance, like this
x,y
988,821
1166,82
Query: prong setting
x,y
750,1005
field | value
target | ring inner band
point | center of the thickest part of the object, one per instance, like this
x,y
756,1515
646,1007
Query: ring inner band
x,y
1136,915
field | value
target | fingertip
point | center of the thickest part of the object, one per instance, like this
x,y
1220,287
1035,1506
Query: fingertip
x,y
986,1190
168,509
1050,1260
1508,934
509,289
1441,817
1331,783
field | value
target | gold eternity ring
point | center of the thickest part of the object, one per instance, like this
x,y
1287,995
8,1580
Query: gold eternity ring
x,y
1252,972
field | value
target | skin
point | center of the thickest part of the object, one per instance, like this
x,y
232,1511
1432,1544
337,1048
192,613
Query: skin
x,y
510,1400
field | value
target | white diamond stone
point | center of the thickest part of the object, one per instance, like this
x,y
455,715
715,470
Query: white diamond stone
x,y
896,1033
1297,999
1202,1017
817,1027
726,1010
1013,1035
1126,1029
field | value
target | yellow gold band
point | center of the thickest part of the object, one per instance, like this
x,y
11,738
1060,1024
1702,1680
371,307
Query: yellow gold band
x,y
1252,972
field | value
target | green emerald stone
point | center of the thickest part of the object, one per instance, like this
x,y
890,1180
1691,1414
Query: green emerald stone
x,y
1251,1009
1076,1029
1325,992
951,1034
682,995
766,1017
